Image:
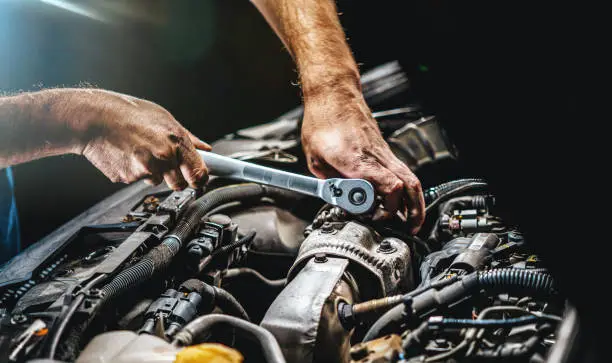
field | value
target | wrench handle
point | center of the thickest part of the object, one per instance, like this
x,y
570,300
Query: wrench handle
x,y
232,168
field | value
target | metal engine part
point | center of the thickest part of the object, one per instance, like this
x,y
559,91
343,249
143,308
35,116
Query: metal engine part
x,y
339,262
303,317
381,266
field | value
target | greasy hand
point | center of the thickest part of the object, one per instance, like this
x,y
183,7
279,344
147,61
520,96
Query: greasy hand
x,y
341,138
130,139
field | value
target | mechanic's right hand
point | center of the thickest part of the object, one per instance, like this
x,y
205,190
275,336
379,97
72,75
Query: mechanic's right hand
x,y
340,138
130,139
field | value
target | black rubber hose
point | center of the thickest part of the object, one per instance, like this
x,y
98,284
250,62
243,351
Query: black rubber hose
x,y
496,280
511,278
269,346
228,303
215,296
434,193
161,256
248,238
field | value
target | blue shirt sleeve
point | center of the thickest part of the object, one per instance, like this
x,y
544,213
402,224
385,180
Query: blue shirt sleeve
x,y
9,223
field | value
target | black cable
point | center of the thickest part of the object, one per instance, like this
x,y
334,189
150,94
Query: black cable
x,y
484,323
72,308
496,280
248,238
396,314
160,257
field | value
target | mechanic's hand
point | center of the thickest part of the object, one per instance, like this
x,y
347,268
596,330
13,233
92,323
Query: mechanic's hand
x,y
341,138
130,139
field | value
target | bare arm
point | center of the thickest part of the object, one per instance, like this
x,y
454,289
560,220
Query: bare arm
x,y
125,137
339,135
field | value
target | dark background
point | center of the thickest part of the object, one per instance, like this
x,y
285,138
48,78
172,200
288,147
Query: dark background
x,y
215,65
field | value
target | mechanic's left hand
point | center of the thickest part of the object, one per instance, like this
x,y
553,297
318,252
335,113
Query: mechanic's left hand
x,y
341,138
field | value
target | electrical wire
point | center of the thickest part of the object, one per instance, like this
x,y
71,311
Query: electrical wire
x,y
57,333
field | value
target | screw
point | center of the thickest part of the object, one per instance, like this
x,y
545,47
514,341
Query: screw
x,y
320,258
357,196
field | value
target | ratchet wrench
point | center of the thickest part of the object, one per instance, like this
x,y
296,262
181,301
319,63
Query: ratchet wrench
x,y
355,196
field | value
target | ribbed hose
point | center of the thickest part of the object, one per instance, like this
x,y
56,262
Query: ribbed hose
x,y
161,256
435,192
515,278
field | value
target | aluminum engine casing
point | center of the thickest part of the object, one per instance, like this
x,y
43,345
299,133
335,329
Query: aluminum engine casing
x,y
341,261
386,261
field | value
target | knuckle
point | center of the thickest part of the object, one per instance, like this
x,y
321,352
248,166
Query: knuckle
x,y
414,184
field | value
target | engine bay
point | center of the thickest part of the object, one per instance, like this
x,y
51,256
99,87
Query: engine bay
x,y
274,276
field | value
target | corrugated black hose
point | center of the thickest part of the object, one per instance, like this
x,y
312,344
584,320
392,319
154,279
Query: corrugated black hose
x,y
434,193
160,257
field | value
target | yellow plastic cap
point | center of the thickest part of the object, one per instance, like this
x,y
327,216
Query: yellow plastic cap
x,y
209,353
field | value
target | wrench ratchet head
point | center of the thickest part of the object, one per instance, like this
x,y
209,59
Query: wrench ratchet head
x,y
355,196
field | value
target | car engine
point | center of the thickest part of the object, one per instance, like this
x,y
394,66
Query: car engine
x,y
247,272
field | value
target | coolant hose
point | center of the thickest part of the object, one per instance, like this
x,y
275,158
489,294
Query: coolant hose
x,y
161,256
509,279
269,346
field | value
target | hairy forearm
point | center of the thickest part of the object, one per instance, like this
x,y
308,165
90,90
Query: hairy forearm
x,y
45,123
312,33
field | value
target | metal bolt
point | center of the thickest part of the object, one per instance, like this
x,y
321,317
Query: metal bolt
x,y
327,227
386,247
19,319
357,196
320,258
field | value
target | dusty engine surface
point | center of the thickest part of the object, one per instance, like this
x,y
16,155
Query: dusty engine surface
x,y
273,276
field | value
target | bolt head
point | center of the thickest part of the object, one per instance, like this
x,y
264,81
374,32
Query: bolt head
x,y
19,319
357,196
320,258
327,227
